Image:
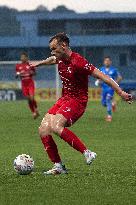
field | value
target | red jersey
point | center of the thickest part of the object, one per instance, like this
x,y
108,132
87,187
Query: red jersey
x,y
26,72
74,75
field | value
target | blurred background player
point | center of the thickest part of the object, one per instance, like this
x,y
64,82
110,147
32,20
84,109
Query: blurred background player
x,y
107,91
26,73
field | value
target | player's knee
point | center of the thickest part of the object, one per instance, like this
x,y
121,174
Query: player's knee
x,y
31,98
44,130
108,97
108,102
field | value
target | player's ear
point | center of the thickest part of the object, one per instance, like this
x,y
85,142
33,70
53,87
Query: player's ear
x,y
64,45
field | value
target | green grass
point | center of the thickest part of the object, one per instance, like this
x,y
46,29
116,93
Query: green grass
x,y
111,180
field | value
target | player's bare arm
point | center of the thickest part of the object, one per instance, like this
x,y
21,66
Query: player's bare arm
x,y
125,96
48,61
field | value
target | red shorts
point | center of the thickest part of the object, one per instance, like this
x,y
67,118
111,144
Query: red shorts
x,y
28,88
70,108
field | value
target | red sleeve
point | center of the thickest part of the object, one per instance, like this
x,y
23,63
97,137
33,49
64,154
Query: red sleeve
x,y
33,68
17,68
83,66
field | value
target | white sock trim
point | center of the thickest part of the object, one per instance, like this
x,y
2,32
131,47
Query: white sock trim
x,y
58,164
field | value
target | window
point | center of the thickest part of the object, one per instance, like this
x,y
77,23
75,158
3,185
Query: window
x,y
105,26
73,27
133,54
131,24
123,59
50,27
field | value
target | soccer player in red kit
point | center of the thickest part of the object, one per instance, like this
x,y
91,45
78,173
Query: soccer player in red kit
x,y
26,73
74,71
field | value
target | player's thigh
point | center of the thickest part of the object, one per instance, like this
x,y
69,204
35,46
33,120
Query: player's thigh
x,y
58,121
25,91
31,89
71,110
109,95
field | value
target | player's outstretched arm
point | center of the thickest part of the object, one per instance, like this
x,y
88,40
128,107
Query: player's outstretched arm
x,y
125,96
48,61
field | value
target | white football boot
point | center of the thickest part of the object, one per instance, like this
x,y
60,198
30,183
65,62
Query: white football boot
x,y
57,169
89,156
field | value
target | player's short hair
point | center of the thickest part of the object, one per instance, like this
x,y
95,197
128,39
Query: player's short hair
x,y
107,57
61,37
24,53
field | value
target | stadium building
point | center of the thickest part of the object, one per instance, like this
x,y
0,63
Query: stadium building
x,y
92,34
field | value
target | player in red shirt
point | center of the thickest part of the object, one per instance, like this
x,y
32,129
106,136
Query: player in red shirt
x,y
74,71
26,73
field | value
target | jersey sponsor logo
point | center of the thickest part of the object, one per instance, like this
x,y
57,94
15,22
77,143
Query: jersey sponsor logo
x,y
7,95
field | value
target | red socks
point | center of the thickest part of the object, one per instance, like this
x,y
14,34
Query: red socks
x,y
69,137
35,103
32,105
51,148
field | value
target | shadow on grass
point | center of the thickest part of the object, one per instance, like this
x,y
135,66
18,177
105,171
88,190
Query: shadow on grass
x,y
71,172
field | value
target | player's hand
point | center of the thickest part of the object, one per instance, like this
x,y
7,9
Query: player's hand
x,y
97,83
34,64
18,74
127,97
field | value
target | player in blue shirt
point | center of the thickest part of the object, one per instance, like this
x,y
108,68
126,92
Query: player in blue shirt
x,y
107,92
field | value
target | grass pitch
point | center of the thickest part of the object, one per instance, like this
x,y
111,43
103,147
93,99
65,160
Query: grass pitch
x,y
111,180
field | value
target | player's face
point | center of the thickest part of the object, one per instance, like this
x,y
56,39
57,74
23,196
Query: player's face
x,y
24,58
58,49
107,62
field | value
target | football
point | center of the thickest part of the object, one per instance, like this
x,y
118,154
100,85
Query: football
x,y
23,164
